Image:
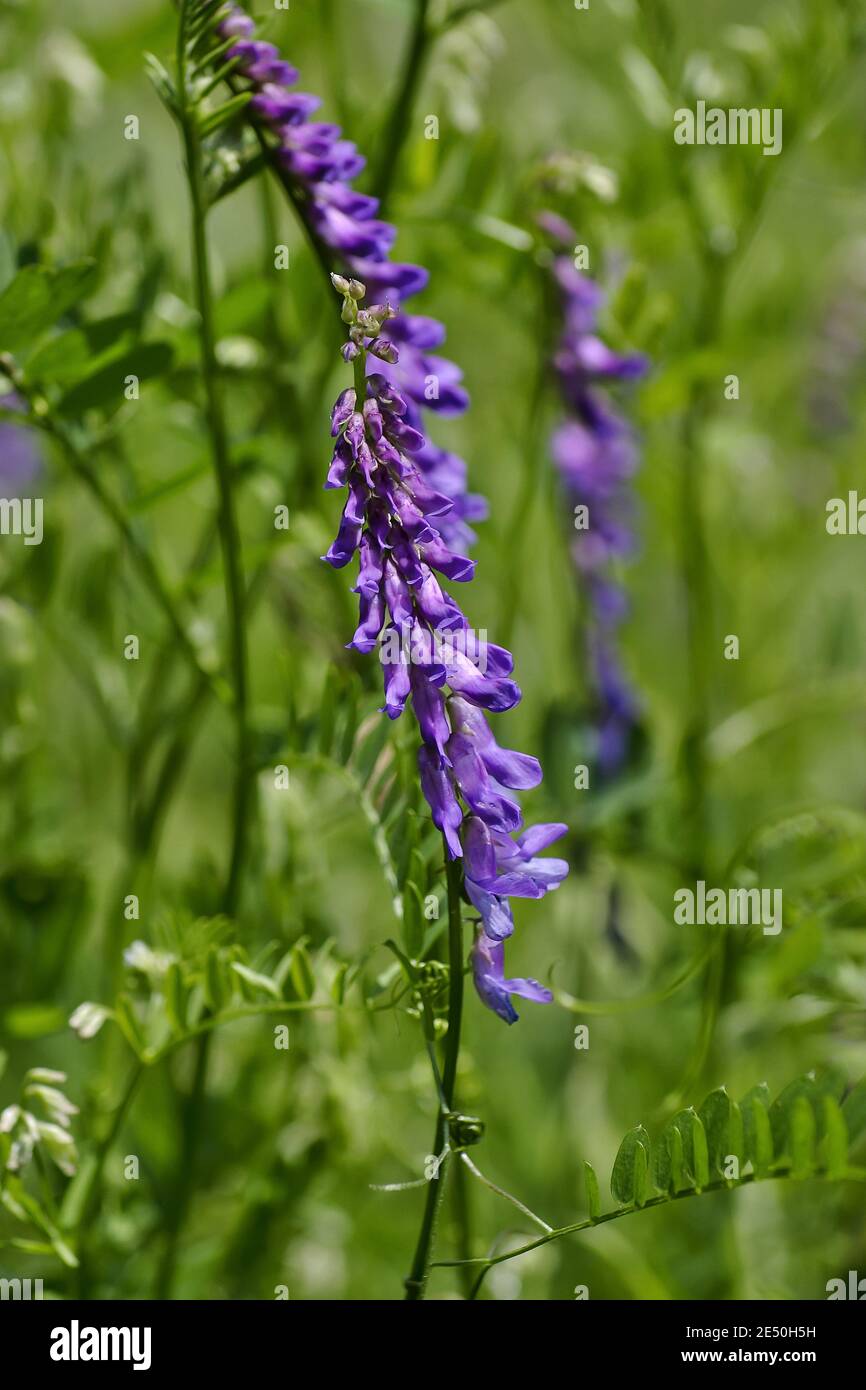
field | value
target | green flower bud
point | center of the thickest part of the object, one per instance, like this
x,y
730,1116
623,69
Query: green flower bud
x,y
465,1130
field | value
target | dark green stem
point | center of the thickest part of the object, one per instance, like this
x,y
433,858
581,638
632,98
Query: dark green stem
x,y
227,518
190,1131
235,604
397,123
91,1198
416,1282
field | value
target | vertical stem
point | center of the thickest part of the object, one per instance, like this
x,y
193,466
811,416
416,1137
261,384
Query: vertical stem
x,y
92,1198
416,1282
235,603
227,517
463,1223
397,124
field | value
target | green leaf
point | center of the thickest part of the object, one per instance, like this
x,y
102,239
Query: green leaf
x,y
217,988
255,980
802,1129
854,1110
36,1213
721,1119
830,1081
38,297
175,997
761,1096
129,1024
669,1172
69,356
628,1181
762,1155
700,1153
105,387
301,972
223,114
782,1110
641,1174
338,984
685,1121
593,1199
833,1151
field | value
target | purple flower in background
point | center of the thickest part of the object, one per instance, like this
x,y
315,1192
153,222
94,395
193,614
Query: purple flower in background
x,y
20,458
595,453
394,518
322,166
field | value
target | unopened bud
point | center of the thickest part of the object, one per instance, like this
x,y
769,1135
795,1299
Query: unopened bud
x,y
383,349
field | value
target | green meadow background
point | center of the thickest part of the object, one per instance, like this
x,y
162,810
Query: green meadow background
x,y
717,262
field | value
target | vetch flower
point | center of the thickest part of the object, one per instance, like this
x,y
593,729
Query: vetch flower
x,y
321,166
393,519
488,972
595,453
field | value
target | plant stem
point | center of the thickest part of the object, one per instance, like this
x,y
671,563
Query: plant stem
x,y
191,1127
416,1282
235,602
397,123
227,518
90,1201
484,1263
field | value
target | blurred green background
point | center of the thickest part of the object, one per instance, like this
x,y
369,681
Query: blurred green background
x,y
539,105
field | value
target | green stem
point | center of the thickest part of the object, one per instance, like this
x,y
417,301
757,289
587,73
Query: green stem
x,y
190,1132
398,121
416,1282
227,518
463,1226
91,1198
235,603
486,1262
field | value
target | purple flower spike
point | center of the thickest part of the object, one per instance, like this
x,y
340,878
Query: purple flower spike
x,y
595,452
321,166
427,649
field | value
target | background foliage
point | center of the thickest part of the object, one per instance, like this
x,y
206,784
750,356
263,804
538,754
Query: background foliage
x,y
716,262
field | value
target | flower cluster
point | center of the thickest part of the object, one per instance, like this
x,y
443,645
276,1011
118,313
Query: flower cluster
x,y
322,166
393,519
22,1133
594,451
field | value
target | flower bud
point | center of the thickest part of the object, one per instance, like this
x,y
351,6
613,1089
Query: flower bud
x,y
381,348
465,1130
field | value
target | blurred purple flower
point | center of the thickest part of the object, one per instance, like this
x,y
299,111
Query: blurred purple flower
x,y
393,518
322,165
595,453
20,457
